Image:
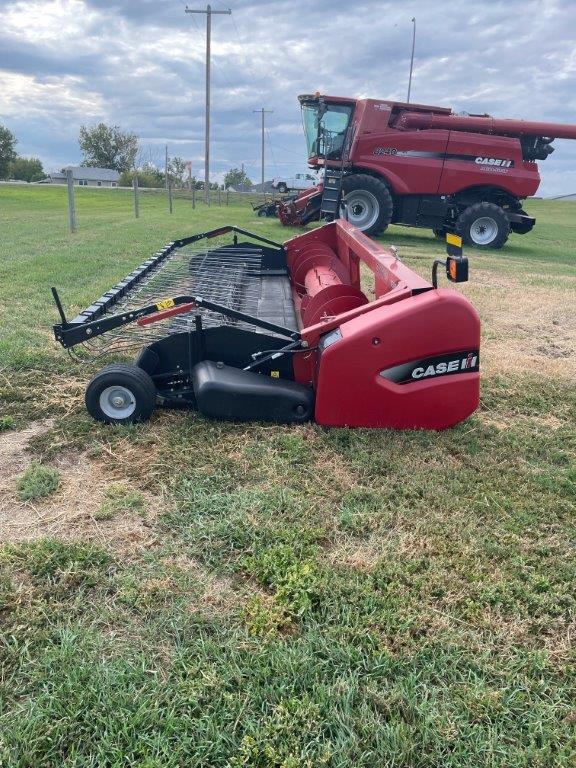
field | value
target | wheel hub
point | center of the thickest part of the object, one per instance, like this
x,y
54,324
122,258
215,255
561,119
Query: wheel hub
x,y
117,402
362,208
484,230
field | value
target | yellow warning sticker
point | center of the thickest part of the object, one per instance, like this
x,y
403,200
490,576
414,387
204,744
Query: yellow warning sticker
x,y
454,239
275,374
165,304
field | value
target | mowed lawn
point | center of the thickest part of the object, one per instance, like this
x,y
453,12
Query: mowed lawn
x,y
209,594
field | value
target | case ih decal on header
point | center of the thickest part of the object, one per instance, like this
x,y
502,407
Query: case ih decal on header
x,y
423,166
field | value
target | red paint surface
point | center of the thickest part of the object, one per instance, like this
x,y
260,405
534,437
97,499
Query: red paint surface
x,y
408,319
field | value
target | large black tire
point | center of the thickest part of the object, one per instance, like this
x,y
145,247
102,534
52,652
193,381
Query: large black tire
x,y
368,203
121,394
282,187
483,225
524,227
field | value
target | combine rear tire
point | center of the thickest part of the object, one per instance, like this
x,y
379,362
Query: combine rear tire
x,y
368,203
282,187
121,394
483,225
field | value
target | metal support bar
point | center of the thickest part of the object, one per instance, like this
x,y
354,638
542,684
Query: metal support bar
x,y
69,334
274,355
222,310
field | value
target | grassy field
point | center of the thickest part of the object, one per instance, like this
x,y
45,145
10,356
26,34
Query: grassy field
x,y
189,593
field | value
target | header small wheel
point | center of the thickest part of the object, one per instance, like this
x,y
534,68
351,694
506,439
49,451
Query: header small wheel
x,y
121,394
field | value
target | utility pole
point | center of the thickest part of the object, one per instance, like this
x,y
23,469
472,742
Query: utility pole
x,y
209,12
263,112
412,57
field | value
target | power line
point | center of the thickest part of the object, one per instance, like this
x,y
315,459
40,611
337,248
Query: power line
x,y
274,163
263,112
209,13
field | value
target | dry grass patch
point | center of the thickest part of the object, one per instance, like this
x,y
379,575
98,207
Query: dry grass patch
x,y
216,595
525,327
73,511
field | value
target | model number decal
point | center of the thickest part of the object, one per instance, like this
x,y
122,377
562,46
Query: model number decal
x,y
165,304
432,367
385,151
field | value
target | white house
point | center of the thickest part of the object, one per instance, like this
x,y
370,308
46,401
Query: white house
x,y
86,177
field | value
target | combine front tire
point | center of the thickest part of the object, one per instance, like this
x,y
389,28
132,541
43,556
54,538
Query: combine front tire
x,y
483,225
121,394
368,203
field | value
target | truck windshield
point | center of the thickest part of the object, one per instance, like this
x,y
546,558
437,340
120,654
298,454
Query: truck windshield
x,y
325,128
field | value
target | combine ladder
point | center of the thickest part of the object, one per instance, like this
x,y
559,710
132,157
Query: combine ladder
x,y
330,206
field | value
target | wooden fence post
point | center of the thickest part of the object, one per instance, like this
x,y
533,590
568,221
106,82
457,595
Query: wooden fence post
x,y
136,201
71,200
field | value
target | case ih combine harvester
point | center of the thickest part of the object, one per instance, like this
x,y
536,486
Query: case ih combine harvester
x,y
421,166
256,330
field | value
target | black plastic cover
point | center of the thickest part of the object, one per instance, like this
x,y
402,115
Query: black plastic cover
x,y
223,392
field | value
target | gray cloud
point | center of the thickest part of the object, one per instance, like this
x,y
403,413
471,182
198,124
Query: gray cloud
x,y
68,62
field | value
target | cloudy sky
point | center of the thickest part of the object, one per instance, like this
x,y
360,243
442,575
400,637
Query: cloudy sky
x,y
140,64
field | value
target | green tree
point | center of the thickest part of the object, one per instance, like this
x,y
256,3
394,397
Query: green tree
x,y
235,177
178,170
147,177
7,152
107,146
26,169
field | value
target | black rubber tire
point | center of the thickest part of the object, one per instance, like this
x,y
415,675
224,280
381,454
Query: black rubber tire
x,y
282,187
262,212
132,378
379,189
473,213
521,229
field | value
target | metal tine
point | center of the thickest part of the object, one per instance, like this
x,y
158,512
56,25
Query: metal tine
x,y
227,275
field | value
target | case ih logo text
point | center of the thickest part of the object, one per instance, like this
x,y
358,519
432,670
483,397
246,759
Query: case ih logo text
x,y
432,367
453,366
494,161
385,151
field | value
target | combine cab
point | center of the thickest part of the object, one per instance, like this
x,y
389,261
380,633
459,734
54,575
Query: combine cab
x,y
423,166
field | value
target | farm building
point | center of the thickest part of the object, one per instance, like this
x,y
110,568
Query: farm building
x,y
86,177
